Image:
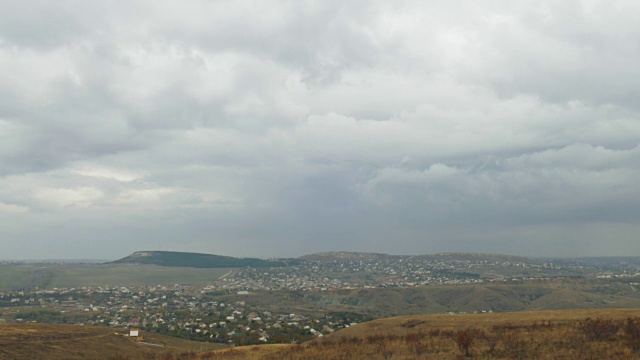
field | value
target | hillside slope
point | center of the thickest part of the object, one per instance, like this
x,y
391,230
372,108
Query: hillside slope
x,y
440,299
196,260
572,334
354,256
347,256
403,325
46,341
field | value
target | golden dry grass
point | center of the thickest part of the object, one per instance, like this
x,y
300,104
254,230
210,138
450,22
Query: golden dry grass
x,y
403,325
47,341
522,335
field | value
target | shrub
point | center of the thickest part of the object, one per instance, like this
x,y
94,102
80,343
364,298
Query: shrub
x,y
412,323
491,339
514,345
167,356
385,349
599,329
413,337
464,339
373,339
188,355
632,333
121,357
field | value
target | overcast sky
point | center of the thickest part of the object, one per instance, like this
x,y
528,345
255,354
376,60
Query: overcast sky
x,y
279,128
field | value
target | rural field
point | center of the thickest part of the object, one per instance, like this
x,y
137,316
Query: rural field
x,y
47,276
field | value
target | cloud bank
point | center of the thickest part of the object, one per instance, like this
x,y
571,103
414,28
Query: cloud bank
x,y
286,127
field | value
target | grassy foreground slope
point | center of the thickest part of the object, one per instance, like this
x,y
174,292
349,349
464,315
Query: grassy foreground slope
x,y
403,325
566,334
44,341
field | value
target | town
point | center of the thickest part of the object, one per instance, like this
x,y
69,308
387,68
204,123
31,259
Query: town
x,y
176,310
221,311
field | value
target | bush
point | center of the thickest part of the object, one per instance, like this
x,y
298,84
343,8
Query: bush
x,y
464,339
632,333
491,339
167,356
599,329
121,357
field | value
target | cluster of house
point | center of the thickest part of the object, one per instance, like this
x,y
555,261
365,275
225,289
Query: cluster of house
x,y
172,310
375,272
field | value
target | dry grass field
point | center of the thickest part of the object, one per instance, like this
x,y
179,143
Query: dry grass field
x,y
565,334
45,341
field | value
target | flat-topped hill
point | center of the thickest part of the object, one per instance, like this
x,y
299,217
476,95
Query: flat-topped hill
x,y
196,260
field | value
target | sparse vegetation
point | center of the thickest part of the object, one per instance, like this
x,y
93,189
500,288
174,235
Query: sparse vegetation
x,y
632,333
538,340
46,341
599,329
464,339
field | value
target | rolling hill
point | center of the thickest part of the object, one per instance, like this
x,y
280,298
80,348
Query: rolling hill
x,y
402,325
347,255
442,299
567,334
353,256
196,260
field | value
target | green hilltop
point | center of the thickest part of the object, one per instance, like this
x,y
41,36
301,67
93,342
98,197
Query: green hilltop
x,y
197,260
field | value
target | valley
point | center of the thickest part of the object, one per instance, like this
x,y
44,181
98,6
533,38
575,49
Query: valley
x,y
309,298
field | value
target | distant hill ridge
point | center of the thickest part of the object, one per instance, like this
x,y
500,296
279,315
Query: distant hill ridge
x,y
197,260
348,255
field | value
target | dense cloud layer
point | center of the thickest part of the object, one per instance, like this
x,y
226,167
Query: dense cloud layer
x,y
287,127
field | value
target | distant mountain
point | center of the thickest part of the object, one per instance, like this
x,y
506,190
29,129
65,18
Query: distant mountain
x,y
477,257
603,261
346,255
198,260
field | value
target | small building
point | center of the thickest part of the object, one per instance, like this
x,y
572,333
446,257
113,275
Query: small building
x,y
135,334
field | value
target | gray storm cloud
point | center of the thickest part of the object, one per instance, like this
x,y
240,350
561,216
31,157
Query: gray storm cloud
x,y
282,128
